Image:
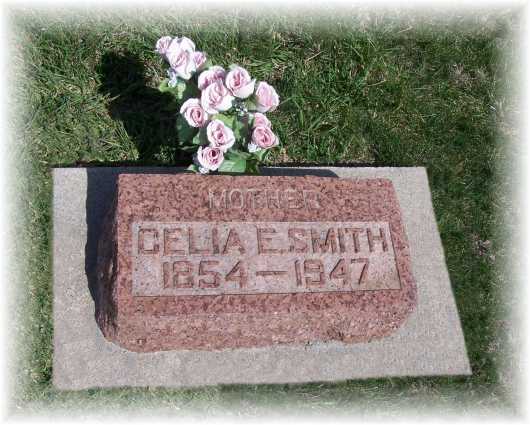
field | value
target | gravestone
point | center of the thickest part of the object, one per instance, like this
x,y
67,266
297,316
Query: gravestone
x,y
338,278
214,262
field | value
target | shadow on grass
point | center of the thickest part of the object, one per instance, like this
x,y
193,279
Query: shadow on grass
x,y
148,116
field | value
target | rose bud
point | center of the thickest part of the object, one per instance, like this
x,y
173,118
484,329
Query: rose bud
x,y
162,44
266,97
216,98
239,83
220,135
209,76
251,147
193,113
209,158
263,137
200,59
260,119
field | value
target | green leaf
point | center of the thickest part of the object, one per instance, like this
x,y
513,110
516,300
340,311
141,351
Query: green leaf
x,y
185,132
191,91
182,90
200,138
234,154
226,119
260,155
163,87
193,167
252,167
251,104
236,165
188,148
240,129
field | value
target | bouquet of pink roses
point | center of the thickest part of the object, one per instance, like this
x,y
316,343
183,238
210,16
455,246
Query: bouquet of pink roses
x,y
222,115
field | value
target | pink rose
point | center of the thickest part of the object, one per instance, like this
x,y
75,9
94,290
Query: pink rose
x,y
209,158
162,44
182,43
239,83
200,59
179,54
193,113
220,136
209,76
263,138
266,97
260,119
216,98
182,63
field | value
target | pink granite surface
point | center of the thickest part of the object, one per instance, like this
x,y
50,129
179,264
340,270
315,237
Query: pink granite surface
x,y
209,322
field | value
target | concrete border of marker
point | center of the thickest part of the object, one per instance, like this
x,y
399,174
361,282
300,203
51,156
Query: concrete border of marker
x,y
430,342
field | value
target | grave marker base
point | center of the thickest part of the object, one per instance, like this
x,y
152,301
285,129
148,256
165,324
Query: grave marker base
x,y
430,341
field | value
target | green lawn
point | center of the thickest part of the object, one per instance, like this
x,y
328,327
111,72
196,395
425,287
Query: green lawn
x,y
400,93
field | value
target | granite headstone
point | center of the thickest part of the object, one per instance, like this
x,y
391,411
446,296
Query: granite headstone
x,y
214,262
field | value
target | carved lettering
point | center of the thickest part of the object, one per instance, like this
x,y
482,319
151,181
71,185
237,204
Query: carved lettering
x,y
233,242
311,200
254,198
220,203
193,248
237,199
296,244
314,273
214,280
273,198
215,240
294,199
325,245
173,272
340,271
208,258
238,274
355,237
171,238
372,239
148,241
264,241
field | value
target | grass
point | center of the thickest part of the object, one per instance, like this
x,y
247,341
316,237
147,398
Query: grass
x,y
410,92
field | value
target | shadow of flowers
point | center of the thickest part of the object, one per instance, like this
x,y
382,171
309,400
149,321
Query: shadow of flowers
x,y
148,116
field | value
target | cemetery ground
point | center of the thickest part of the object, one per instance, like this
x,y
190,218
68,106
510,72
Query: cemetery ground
x,y
410,93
